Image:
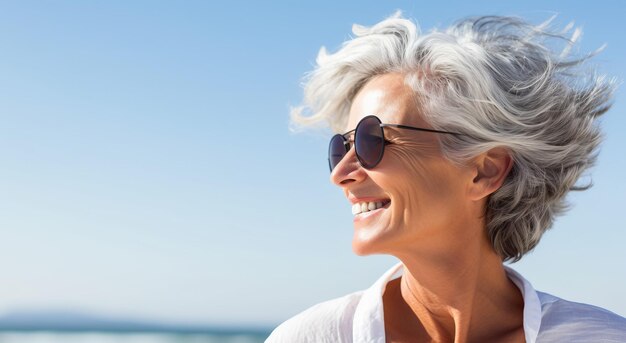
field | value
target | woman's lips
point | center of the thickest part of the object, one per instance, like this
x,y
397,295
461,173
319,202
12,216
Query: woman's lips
x,y
367,206
370,213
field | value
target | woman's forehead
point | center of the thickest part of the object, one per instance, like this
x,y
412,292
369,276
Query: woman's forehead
x,y
388,98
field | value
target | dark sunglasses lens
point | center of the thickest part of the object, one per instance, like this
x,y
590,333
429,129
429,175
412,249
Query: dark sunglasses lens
x,y
336,151
369,142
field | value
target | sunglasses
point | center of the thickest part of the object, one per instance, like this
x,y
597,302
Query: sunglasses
x,y
369,142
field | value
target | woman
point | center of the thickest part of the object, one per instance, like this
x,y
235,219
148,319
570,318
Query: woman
x,y
455,150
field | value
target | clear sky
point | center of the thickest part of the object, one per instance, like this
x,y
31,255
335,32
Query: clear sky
x,y
147,169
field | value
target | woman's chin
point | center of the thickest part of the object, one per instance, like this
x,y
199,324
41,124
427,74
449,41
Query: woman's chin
x,y
372,232
364,247
359,250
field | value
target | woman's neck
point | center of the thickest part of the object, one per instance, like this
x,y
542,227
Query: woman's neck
x,y
463,296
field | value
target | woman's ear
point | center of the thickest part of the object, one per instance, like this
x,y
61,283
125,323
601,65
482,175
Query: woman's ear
x,y
490,170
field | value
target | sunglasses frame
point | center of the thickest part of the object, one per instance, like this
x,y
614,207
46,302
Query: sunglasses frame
x,y
382,125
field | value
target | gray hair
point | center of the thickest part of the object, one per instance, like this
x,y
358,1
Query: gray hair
x,y
498,81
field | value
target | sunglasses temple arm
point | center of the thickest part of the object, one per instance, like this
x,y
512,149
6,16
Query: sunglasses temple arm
x,y
419,129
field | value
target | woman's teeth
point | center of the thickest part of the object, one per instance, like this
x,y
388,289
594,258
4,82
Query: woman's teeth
x,y
366,207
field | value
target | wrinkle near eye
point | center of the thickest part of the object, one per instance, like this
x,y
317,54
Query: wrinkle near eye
x,y
410,147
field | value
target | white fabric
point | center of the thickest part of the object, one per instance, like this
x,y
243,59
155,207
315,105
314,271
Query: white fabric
x,y
358,318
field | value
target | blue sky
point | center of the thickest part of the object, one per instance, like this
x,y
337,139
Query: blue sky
x,y
148,170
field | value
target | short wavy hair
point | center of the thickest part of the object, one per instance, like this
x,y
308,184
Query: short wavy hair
x,y
498,81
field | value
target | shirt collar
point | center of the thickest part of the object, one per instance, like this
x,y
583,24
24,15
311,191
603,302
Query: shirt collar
x,y
369,326
532,304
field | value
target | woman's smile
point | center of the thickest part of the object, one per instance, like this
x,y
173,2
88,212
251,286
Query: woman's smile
x,y
366,210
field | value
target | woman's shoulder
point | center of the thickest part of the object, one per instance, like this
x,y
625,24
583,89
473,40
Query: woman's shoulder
x,y
328,321
568,321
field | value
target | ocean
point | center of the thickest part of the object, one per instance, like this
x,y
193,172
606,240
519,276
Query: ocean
x,y
107,337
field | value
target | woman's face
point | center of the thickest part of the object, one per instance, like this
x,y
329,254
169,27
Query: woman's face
x,y
426,195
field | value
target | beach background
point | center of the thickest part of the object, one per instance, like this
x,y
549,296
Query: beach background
x,y
135,337
151,190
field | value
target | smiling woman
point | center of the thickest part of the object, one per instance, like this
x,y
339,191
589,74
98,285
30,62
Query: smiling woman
x,y
417,184
460,148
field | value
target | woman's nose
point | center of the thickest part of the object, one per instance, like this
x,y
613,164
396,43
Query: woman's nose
x,y
348,170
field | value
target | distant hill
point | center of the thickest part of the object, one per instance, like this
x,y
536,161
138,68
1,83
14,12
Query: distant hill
x,y
61,320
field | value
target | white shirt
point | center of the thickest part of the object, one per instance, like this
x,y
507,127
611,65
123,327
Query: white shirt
x,y
358,318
